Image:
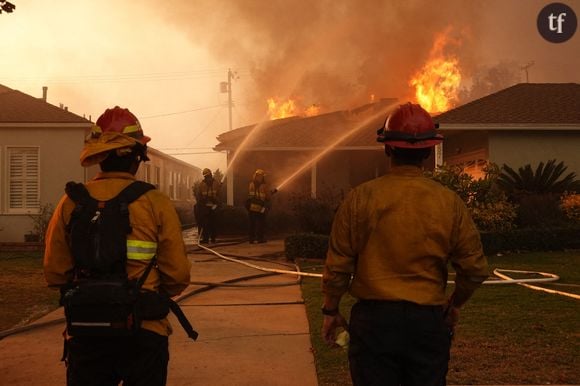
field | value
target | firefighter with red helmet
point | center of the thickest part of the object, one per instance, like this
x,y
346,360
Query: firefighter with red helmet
x,y
391,241
154,245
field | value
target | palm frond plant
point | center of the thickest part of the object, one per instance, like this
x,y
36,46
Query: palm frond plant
x,y
545,179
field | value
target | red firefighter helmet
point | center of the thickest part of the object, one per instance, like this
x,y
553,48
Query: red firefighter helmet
x,y
119,120
116,129
409,126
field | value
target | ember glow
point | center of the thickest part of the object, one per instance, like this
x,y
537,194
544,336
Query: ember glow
x,y
312,110
437,83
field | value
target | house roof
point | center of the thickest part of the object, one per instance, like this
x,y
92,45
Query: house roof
x,y
524,103
312,132
17,107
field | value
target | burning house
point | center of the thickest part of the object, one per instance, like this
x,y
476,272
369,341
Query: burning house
x,y
313,156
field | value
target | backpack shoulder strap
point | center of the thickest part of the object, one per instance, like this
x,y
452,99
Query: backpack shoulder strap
x,y
77,192
133,191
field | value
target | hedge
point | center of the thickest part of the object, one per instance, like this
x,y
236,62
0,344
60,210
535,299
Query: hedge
x,y
314,246
531,239
306,245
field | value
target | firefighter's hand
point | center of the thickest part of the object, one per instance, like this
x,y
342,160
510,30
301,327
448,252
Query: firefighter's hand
x,y
329,326
451,317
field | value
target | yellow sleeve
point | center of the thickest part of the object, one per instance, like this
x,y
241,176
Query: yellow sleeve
x,y
58,261
341,256
467,258
174,267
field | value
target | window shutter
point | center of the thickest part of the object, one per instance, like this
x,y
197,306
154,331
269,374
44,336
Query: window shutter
x,y
23,174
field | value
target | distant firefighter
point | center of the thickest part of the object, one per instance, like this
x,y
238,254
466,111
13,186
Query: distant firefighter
x,y
208,200
258,205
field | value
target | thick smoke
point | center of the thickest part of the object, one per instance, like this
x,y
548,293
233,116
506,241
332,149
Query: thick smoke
x,y
336,53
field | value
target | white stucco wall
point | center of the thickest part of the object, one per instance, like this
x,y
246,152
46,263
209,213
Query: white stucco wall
x,y
59,149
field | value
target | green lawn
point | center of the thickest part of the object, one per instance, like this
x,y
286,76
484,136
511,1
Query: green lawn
x,y
24,295
508,334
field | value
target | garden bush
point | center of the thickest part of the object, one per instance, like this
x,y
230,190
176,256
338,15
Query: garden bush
x,y
531,239
184,211
570,205
306,245
232,220
315,215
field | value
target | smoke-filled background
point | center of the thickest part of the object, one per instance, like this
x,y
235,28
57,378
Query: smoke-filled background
x,y
165,59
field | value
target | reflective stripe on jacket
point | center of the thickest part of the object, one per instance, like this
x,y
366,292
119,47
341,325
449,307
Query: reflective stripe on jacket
x,y
395,235
208,193
156,230
260,192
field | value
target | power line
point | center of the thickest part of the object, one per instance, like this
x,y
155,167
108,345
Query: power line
x,y
155,76
181,112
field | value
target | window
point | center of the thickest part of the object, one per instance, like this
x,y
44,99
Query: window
x,y
23,191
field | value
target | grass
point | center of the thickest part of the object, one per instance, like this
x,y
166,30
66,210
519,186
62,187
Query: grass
x,y
507,334
24,295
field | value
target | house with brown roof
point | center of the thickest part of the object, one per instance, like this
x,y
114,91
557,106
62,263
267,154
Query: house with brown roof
x,y
318,156
524,124
39,152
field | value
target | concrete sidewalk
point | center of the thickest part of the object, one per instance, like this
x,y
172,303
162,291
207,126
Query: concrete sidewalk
x,y
248,335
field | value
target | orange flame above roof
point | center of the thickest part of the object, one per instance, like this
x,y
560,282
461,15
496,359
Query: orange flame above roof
x,y
437,83
280,108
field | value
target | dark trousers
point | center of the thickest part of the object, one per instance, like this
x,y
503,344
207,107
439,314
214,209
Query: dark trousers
x,y
398,343
207,221
139,360
257,226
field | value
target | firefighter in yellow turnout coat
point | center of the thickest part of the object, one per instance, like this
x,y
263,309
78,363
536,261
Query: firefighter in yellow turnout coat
x,y
207,196
258,204
390,244
117,143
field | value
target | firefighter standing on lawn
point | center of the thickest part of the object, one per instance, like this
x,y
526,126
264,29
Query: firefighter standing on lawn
x,y
207,196
390,244
118,145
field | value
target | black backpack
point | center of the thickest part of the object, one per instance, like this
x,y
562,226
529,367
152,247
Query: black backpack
x,y
101,300
98,231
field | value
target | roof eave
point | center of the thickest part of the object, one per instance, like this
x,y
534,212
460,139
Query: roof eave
x,y
509,126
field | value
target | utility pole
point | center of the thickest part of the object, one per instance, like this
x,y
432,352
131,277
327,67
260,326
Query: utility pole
x,y
230,104
525,68
227,87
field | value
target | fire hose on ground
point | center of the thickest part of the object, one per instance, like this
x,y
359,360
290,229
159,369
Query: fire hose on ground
x,y
500,273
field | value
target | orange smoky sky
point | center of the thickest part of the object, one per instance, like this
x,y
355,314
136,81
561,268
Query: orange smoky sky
x,y
164,60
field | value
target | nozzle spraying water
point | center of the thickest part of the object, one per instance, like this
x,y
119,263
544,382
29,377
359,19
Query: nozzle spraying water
x,y
274,191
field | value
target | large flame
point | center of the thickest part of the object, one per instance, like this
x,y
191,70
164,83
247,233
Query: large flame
x,y
281,109
437,83
278,109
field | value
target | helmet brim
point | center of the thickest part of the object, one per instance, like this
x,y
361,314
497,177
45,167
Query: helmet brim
x,y
414,145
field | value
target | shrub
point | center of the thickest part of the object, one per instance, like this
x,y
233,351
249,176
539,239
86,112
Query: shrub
x,y
315,215
278,222
184,211
497,216
486,202
545,179
531,239
540,211
306,245
40,221
232,220
570,205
